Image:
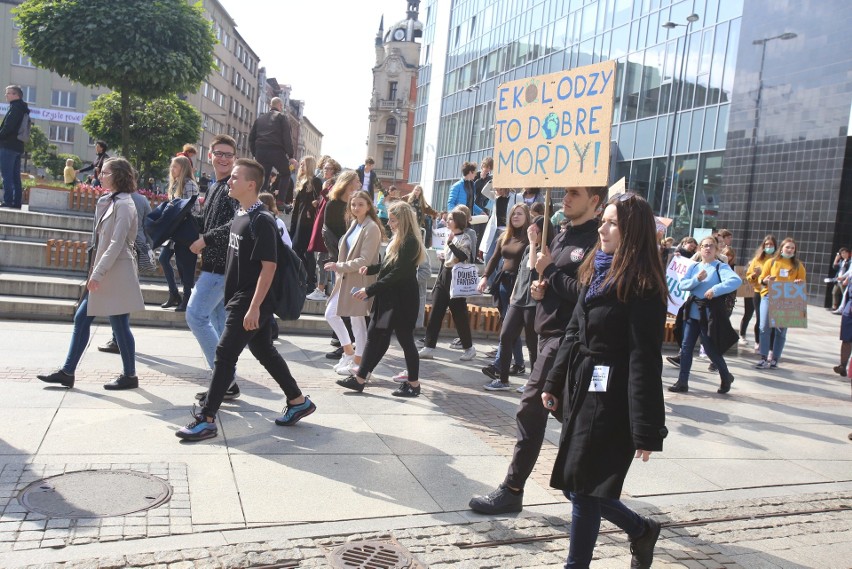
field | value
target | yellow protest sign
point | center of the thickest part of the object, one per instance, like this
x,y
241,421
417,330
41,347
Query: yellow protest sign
x,y
554,130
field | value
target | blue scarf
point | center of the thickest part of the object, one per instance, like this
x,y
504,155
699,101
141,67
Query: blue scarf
x,y
602,264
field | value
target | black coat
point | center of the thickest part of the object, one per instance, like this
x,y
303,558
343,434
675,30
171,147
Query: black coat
x,y
17,113
601,431
396,295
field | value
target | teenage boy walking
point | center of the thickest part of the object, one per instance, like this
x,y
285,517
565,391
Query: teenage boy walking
x,y
249,270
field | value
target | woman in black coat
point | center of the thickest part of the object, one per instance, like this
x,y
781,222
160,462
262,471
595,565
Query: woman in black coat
x,y
308,191
606,381
395,306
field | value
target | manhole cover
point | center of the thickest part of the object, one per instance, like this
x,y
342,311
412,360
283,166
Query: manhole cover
x,y
371,555
95,494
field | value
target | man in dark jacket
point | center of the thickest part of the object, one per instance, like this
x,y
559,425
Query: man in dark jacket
x,y
557,291
11,148
270,143
369,181
98,163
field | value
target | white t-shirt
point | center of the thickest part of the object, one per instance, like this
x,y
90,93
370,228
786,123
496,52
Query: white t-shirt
x,y
282,229
366,185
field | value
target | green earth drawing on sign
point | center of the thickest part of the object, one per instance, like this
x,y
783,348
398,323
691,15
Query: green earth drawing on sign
x,y
550,126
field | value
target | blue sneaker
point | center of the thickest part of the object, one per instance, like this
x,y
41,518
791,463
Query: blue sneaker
x,y
198,430
295,413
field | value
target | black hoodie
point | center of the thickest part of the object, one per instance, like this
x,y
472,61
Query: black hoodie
x,y
18,110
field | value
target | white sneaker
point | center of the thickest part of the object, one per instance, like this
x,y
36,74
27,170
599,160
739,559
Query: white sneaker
x,y
427,353
401,377
520,388
701,353
317,295
456,344
743,342
421,343
468,354
351,370
344,363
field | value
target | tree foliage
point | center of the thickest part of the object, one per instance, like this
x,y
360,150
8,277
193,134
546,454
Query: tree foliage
x,y
146,48
44,154
158,128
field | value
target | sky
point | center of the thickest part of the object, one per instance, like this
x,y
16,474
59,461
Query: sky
x,y
324,49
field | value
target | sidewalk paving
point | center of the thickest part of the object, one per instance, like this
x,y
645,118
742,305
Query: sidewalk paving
x,y
370,466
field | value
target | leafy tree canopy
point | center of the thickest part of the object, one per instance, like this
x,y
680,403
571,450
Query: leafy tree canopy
x,y
158,128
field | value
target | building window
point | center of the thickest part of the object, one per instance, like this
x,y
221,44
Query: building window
x,y
390,126
392,88
387,160
64,99
20,59
60,133
29,93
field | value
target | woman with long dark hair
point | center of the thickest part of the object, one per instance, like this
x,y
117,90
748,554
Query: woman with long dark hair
x,y
112,287
606,380
393,310
752,305
783,267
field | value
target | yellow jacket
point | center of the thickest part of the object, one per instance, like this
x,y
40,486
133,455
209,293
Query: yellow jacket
x,y
782,270
755,267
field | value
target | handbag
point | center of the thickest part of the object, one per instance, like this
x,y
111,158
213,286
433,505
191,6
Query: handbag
x,y
144,257
730,299
464,280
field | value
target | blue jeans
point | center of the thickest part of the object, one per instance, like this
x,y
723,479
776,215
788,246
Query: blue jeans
x,y
767,343
586,515
186,261
517,347
80,339
10,170
691,330
205,313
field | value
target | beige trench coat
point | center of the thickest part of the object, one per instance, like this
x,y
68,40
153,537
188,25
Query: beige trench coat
x,y
365,252
114,265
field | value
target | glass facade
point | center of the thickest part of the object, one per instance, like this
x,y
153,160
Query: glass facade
x,y
673,91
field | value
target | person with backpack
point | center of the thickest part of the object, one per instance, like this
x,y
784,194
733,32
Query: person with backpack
x,y
14,133
705,314
250,270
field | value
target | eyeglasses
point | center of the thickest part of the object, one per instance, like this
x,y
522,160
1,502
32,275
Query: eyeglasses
x,y
220,154
708,245
106,174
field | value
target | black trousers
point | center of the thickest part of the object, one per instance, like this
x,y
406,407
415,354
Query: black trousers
x,y
517,319
748,307
232,343
378,342
270,159
301,240
458,307
532,416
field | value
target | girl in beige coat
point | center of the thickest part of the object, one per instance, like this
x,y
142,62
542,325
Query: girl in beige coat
x,y
112,288
359,247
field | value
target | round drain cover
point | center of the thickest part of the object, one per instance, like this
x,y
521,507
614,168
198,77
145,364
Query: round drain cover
x,y
95,494
371,555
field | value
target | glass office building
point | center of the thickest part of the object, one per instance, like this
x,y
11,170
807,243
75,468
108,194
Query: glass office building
x,y
727,120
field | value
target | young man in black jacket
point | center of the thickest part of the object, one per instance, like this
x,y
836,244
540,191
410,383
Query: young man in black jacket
x,y
11,149
252,257
557,291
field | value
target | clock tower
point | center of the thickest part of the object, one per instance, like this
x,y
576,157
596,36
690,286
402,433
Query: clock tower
x,y
392,101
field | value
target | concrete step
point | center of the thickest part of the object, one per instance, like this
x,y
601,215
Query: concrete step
x,y
17,255
71,220
40,234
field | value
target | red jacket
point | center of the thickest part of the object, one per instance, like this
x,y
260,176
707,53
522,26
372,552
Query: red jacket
x,y
317,243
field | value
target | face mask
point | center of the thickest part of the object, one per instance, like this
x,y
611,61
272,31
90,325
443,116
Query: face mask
x,y
769,250
787,255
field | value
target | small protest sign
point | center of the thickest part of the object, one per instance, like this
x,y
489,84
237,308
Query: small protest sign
x,y
788,305
439,237
745,290
675,271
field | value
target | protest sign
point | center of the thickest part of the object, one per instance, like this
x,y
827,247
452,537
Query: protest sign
x,y
439,237
675,271
554,130
788,305
745,290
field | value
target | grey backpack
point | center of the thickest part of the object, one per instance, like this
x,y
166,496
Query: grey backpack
x,y
25,129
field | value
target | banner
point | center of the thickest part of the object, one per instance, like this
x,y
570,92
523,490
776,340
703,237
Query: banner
x,y
675,271
53,115
439,237
554,130
788,305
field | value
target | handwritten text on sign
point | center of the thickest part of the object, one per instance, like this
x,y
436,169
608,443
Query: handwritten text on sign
x,y
788,305
554,130
675,271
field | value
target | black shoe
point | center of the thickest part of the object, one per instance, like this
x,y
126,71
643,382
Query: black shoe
x,y
335,342
726,384
491,372
500,501
642,547
712,368
406,390
679,388
517,370
840,370
182,306
674,360
110,347
335,354
351,383
174,300
233,392
122,382
60,377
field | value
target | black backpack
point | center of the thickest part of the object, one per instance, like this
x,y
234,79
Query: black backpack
x,y
290,285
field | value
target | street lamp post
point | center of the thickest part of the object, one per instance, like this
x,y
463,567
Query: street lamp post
x,y
757,104
668,189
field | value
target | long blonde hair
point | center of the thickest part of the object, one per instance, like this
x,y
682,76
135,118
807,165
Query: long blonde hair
x,y
341,184
176,185
511,231
406,227
306,172
421,198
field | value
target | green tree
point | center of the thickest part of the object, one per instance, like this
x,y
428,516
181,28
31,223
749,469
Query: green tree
x,y
45,155
146,48
158,128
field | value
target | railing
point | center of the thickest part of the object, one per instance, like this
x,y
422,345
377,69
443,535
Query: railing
x,y
387,139
386,174
388,105
66,254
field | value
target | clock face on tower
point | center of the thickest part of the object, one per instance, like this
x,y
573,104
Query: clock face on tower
x,y
399,34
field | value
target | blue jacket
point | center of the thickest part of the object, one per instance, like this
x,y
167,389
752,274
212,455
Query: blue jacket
x,y
462,194
172,220
723,282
